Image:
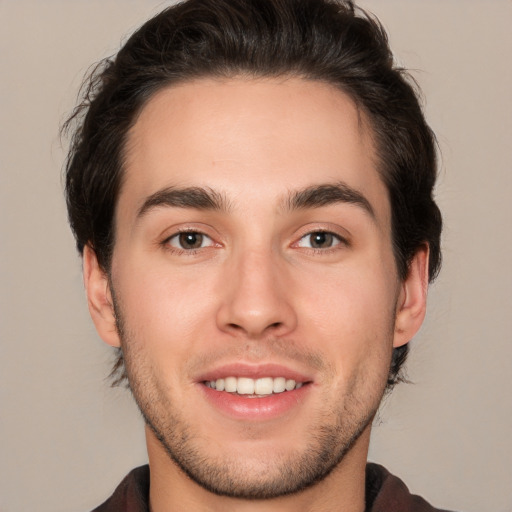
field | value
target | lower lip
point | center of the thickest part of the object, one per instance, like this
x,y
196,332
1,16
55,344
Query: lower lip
x,y
256,409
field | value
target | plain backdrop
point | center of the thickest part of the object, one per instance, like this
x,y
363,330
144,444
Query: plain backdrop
x,y
67,438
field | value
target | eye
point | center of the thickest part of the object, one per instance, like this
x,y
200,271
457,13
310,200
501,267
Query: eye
x,y
320,240
189,240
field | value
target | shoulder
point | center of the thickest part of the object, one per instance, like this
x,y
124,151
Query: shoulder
x,y
131,495
387,493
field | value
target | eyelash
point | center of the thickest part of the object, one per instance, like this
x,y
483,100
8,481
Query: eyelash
x,y
339,241
190,252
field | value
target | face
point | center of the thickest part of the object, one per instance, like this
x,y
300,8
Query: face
x,y
254,283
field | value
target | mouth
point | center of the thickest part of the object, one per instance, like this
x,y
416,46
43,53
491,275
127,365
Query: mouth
x,y
254,388
256,393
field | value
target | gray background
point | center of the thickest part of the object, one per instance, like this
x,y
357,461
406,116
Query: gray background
x,y
66,438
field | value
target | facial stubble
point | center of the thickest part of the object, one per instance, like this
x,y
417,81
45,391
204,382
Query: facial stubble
x,y
329,440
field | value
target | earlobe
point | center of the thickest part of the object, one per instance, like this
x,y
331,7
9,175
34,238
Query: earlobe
x,y
99,298
412,302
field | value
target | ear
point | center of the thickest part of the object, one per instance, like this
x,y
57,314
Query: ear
x,y
99,298
412,301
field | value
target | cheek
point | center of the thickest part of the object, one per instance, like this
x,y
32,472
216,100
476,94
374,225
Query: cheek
x,y
347,299
351,315
163,307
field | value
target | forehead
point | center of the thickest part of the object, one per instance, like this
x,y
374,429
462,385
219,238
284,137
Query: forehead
x,y
250,139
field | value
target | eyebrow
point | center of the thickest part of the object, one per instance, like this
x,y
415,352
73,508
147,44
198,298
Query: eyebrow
x,y
317,196
200,198
189,197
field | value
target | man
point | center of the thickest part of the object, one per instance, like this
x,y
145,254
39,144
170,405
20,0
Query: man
x,y
250,184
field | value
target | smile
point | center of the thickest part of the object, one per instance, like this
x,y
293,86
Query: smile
x,y
261,387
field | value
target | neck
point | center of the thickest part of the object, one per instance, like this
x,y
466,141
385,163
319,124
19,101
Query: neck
x,y
343,489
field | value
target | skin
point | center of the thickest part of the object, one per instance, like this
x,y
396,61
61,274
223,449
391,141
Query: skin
x,y
255,292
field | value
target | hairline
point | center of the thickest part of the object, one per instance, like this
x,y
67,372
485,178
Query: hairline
x,y
365,125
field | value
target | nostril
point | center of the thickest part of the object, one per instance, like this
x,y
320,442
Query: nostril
x,y
270,327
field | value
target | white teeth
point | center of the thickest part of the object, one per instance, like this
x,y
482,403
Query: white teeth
x,y
290,384
264,386
254,387
230,384
245,386
279,385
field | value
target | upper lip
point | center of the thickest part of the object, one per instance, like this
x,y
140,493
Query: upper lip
x,y
253,371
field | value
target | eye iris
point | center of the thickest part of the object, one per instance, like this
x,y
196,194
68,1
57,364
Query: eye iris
x,y
321,240
191,240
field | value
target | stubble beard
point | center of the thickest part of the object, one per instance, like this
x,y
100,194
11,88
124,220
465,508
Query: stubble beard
x,y
330,440
234,478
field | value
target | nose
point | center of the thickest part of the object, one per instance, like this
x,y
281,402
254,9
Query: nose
x,y
256,301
